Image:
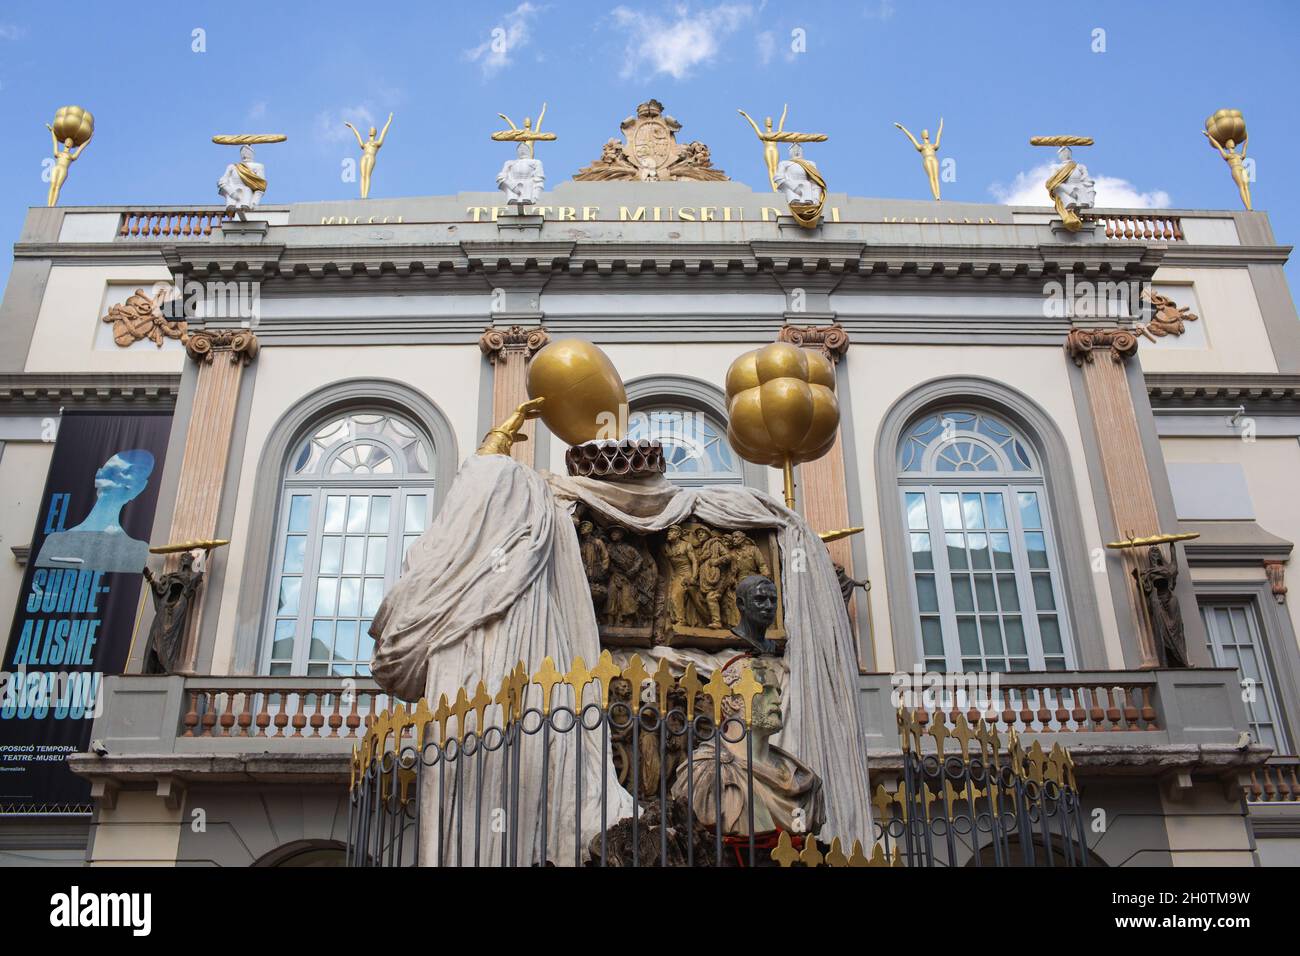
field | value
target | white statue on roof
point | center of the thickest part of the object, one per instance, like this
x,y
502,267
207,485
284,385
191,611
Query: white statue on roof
x,y
521,179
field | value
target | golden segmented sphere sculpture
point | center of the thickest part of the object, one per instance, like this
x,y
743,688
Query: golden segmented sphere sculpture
x,y
73,123
585,397
1227,126
781,405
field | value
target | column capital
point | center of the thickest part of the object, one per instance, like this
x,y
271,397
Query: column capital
x,y
495,341
241,345
1081,343
832,340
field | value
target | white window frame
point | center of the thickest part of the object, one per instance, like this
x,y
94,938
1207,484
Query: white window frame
x,y
318,486
1010,483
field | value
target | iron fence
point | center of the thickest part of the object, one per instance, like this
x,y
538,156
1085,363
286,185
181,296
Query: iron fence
x,y
553,779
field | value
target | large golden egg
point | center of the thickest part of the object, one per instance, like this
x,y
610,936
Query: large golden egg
x,y
585,397
73,123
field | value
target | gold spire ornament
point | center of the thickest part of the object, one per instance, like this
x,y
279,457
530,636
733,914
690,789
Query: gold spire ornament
x,y
369,153
929,153
1226,130
770,137
72,129
528,134
781,408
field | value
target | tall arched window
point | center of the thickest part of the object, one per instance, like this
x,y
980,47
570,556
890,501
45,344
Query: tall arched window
x,y
695,445
357,490
983,560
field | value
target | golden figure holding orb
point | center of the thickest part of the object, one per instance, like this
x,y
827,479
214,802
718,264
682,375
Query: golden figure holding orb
x,y
369,153
72,129
1226,130
929,153
527,134
770,137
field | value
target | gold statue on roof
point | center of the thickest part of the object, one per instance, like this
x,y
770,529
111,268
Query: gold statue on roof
x,y
929,153
770,137
527,134
369,153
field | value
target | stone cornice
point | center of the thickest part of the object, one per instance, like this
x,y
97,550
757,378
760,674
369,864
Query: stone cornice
x,y
227,260
1182,254
40,393
1264,392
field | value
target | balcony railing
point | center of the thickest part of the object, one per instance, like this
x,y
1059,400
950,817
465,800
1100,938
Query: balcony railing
x,y
261,707
1277,781
162,223
1140,226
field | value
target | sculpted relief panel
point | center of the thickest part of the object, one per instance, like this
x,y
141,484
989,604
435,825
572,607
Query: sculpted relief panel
x,y
676,587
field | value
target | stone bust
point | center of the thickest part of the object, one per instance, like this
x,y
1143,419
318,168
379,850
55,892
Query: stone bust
x,y
787,792
756,602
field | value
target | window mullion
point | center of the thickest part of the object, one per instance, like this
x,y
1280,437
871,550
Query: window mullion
x,y
943,581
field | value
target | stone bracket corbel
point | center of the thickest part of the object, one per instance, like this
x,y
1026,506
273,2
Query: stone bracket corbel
x,y
1177,786
1275,571
104,790
171,791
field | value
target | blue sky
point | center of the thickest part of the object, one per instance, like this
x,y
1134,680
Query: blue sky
x,y
997,72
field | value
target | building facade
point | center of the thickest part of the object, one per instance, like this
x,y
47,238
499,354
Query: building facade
x,y
1002,421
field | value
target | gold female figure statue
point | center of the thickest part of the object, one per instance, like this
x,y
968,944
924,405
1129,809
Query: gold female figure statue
x,y
929,153
369,152
1234,160
62,160
771,137
527,134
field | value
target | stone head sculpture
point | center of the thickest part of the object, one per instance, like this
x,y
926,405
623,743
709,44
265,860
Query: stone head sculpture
x,y
766,713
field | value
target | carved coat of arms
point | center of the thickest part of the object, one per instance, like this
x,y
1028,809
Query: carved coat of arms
x,y
650,152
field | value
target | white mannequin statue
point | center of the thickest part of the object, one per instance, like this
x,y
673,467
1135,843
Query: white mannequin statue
x,y
1079,191
792,179
521,179
243,184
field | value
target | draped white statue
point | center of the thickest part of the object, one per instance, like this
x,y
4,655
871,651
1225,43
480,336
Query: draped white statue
x,y
498,578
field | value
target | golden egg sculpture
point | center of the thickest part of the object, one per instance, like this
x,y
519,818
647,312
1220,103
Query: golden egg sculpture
x,y
584,395
781,407
73,123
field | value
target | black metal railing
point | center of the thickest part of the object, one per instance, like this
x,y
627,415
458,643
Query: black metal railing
x,y
553,782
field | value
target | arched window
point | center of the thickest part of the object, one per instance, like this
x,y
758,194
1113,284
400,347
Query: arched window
x,y
695,444
983,560
356,491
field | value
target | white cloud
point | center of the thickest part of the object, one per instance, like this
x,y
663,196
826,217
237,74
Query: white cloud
x,y
675,47
1027,189
766,47
329,123
512,34
10,32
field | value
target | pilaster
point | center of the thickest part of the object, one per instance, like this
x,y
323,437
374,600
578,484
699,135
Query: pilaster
x,y
509,349
221,355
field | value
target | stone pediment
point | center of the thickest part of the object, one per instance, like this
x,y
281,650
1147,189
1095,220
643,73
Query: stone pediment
x,y
650,152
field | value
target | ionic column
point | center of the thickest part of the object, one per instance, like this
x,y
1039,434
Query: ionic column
x,y
509,350
221,356
822,482
1102,354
